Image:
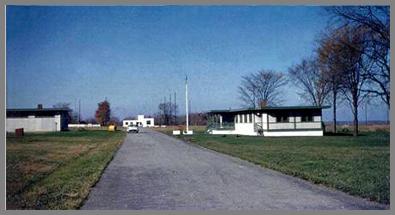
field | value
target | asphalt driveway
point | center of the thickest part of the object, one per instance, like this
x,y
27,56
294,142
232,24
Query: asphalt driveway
x,y
152,171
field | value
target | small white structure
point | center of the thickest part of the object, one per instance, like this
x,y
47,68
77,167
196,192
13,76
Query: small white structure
x,y
176,132
37,119
140,121
269,121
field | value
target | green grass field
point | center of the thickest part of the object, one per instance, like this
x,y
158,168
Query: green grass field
x,y
357,165
56,170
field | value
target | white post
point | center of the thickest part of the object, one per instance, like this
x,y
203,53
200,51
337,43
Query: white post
x,y
220,121
186,102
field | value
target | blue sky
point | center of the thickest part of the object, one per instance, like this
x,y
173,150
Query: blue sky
x,y
136,56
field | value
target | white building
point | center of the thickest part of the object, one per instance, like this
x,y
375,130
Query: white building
x,y
268,121
140,121
37,119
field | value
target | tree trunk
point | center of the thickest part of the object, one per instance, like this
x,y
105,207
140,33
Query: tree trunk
x,y
334,111
388,115
355,104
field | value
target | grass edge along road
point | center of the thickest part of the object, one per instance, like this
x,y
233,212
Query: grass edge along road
x,y
56,170
359,166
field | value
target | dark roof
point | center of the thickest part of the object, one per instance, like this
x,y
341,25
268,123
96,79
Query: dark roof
x,y
270,108
37,110
130,118
24,112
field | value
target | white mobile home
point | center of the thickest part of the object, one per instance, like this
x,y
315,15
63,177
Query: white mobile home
x,y
268,121
140,121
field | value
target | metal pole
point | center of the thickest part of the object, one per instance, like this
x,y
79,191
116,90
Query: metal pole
x,y
164,110
175,109
170,110
79,111
186,103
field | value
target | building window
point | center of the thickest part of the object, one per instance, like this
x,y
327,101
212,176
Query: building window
x,y
307,118
245,118
126,123
250,117
282,119
149,122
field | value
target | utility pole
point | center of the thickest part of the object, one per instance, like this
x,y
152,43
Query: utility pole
x,y
170,110
164,110
75,108
175,109
186,103
79,111
190,109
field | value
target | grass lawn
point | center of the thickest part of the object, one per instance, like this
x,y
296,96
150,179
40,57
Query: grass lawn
x,y
55,170
357,165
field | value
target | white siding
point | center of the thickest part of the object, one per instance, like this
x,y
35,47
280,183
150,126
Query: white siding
x,y
140,119
223,132
272,119
293,133
245,129
33,124
281,125
244,126
308,125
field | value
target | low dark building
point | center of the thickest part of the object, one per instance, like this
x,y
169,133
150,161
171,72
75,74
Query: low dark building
x,y
38,119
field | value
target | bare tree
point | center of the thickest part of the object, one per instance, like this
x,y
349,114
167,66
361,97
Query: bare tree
x,y
329,63
375,20
262,86
166,110
248,91
198,118
354,67
308,77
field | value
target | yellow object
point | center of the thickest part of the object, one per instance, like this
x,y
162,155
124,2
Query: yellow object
x,y
112,128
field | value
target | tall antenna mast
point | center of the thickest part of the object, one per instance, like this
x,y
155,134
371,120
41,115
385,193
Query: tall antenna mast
x,y
170,109
79,111
175,109
186,103
164,110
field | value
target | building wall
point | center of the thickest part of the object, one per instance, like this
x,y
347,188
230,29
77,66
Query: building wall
x,y
34,124
223,132
245,129
245,126
141,120
308,125
292,133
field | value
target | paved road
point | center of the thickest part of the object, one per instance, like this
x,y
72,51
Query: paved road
x,y
153,171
